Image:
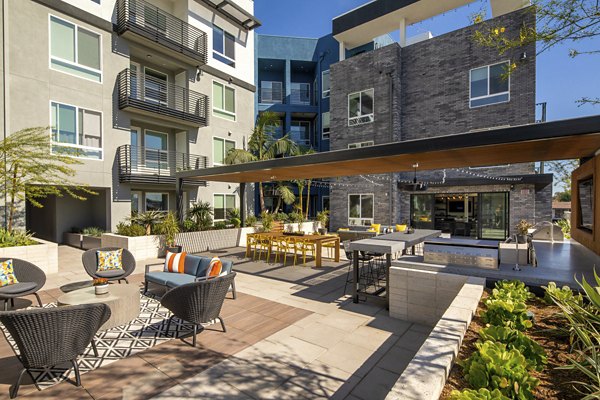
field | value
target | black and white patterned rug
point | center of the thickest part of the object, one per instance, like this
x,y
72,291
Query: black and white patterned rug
x,y
146,331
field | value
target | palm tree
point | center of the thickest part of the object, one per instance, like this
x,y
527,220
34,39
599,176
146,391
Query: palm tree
x,y
262,145
201,213
148,219
302,183
285,193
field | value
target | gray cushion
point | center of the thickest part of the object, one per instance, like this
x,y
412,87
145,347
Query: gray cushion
x,y
203,267
190,265
112,273
17,288
159,277
175,280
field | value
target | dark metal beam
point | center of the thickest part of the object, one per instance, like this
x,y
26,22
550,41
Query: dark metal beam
x,y
243,204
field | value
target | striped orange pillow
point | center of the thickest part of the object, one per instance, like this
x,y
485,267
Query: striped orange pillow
x,y
214,268
175,262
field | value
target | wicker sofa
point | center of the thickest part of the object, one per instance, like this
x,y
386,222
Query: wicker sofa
x,y
195,268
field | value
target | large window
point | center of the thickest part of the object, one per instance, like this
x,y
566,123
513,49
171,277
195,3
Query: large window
x,y
585,202
300,132
223,101
325,83
76,131
489,85
223,46
300,93
360,107
326,122
75,50
157,201
271,92
222,204
220,149
360,209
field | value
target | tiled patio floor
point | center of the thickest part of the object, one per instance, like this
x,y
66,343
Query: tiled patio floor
x,y
292,334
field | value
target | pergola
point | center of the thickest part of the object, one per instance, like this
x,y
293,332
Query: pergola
x,y
556,140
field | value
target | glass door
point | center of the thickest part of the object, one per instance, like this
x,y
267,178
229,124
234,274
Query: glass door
x,y
156,151
422,211
493,221
155,86
135,142
134,80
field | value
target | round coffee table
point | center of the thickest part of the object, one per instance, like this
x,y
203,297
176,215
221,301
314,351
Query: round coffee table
x,y
123,300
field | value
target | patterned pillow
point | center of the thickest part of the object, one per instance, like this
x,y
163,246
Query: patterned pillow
x,y
214,268
109,260
7,273
175,262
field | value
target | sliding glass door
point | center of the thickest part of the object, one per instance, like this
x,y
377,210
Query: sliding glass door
x,y
494,216
422,211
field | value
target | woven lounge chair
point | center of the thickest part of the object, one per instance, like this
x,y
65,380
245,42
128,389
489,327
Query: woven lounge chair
x,y
90,263
31,279
198,302
52,336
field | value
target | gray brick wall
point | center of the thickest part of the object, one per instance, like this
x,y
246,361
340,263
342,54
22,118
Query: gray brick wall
x,y
429,96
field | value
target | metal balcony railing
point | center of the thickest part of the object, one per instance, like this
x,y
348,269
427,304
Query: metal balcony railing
x,y
152,95
270,96
146,165
152,23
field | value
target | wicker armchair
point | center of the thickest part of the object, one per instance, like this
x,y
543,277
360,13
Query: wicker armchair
x,y
90,263
198,302
31,279
52,336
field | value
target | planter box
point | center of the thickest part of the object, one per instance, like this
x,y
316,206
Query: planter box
x,y
142,247
81,241
44,255
508,253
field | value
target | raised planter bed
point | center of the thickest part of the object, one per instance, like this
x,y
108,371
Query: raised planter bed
x,y
44,254
82,241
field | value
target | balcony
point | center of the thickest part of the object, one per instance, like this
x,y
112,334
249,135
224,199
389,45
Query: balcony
x,y
270,96
144,23
146,95
154,166
301,96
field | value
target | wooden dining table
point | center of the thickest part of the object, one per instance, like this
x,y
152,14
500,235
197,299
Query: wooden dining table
x,y
318,240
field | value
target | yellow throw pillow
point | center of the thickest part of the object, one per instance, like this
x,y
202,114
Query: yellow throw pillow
x,y
371,230
343,229
214,268
400,228
7,273
175,262
109,260
376,227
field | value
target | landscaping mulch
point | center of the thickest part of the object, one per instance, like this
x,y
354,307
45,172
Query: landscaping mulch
x,y
554,383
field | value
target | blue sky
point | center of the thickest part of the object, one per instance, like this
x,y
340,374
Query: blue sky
x,y
561,80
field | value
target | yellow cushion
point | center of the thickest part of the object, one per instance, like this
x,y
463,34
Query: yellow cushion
x,y
175,262
376,227
7,273
400,228
109,260
344,229
371,230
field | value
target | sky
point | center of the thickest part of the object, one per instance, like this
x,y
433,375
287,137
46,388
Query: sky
x,y
561,80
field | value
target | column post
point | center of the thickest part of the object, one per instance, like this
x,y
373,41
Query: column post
x,y
243,203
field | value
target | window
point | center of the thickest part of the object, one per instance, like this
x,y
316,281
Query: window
x,y
360,107
155,86
489,85
222,204
300,93
585,204
220,149
300,132
223,46
360,144
75,50
157,201
326,121
360,209
155,19
325,203
326,88
223,101
271,92
76,131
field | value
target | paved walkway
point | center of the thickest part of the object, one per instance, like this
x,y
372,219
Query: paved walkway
x,y
336,349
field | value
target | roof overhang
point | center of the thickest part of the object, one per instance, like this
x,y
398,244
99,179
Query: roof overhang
x,y
556,140
235,13
379,17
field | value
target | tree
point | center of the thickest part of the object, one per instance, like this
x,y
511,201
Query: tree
x,y
284,193
33,172
262,145
201,213
562,170
558,22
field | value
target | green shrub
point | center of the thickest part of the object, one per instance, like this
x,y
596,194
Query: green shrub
x,y
130,229
267,220
296,217
493,366
220,225
481,394
509,313
281,216
234,217
189,225
15,238
251,220
169,226
514,339
565,226
92,231
562,295
511,290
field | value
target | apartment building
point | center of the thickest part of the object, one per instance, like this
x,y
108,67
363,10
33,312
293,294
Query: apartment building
x,y
137,90
293,81
429,86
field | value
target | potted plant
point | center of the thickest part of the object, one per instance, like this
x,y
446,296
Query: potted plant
x,y
522,230
100,286
170,228
323,218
